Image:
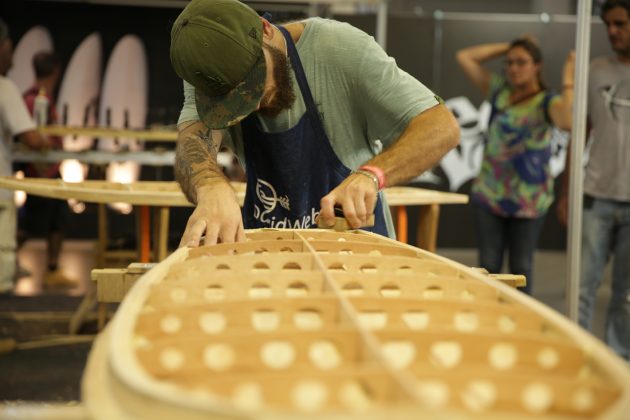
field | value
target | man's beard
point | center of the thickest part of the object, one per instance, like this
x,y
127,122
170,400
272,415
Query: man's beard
x,y
283,95
623,50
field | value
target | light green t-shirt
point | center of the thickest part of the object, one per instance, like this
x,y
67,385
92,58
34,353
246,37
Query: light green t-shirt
x,y
363,98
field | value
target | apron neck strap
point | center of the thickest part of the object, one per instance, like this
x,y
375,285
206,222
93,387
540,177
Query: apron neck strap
x,y
296,63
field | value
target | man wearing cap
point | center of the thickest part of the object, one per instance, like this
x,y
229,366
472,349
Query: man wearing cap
x,y
307,106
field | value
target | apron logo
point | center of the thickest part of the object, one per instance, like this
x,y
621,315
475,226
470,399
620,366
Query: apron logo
x,y
267,196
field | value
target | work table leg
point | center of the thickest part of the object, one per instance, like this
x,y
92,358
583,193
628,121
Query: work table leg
x,y
428,219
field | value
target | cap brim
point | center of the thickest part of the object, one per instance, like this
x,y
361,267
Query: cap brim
x,y
229,109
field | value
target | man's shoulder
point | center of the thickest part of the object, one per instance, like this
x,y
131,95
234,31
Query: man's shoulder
x,y
329,30
339,44
326,24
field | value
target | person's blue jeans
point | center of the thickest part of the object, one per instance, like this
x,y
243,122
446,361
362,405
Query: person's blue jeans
x,y
519,236
606,231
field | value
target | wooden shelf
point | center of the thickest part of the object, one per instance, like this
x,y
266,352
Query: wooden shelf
x,y
147,135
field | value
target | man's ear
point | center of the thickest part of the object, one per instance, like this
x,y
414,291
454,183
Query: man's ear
x,y
267,31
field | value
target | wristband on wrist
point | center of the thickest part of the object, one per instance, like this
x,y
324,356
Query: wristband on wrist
x,y
378,172
369,175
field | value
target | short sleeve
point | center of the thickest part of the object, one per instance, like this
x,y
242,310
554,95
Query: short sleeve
x,y
389,96
189,109
17,118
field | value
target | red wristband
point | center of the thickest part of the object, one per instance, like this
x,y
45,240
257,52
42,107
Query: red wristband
x,y
380,174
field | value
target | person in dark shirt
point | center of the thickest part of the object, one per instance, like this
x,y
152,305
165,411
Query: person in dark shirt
x,y
41,215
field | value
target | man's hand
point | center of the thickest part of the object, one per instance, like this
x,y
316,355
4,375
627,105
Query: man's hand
x,y
217,215
356,195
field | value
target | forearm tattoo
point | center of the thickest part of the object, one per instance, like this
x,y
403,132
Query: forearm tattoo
x,y
196,162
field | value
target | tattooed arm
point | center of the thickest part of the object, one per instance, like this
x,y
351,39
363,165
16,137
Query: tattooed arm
x,y
217,213
196,158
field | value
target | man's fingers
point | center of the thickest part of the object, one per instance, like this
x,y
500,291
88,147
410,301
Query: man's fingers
x,y
196,232
229,234
370,206
361,211
327,212
240,233
212,234
350,213
192,234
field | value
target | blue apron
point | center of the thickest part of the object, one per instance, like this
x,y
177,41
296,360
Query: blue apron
x,y
289,172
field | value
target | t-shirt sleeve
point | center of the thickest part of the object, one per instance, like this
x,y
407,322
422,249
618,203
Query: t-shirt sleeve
x,y
18,120
189,109
390,97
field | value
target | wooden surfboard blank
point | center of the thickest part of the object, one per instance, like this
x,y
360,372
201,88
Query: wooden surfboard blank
x,y
321,324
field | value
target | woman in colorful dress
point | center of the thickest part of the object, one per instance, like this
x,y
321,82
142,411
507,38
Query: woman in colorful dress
x,y
514,189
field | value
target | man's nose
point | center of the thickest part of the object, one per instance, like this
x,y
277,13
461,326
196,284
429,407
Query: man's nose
x,y
612,30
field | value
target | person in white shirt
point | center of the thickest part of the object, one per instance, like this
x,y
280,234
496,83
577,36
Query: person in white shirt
x,y
15,121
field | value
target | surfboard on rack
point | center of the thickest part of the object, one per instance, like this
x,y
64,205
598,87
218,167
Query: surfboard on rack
x,y
35,40
124,105
79,91
317,324
77,100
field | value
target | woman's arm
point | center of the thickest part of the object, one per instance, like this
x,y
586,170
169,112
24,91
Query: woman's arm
x,y
561,112
471,60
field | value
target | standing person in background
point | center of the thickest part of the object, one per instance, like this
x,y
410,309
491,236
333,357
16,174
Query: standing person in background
x,y
606,211
42,214
514,188
304,104
15,121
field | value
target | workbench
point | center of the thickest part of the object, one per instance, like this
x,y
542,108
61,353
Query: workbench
x,y
162,195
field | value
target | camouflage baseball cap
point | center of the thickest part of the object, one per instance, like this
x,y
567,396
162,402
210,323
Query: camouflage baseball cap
x,y
216,46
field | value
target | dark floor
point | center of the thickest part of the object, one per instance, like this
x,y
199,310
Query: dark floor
x,y
54,373
49,373
35,314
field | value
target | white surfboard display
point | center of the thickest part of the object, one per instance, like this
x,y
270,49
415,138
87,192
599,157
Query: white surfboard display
x,y
76,104
123,104
36,39
79,91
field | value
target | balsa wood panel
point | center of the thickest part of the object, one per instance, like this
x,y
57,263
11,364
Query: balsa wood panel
x,y
321,324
